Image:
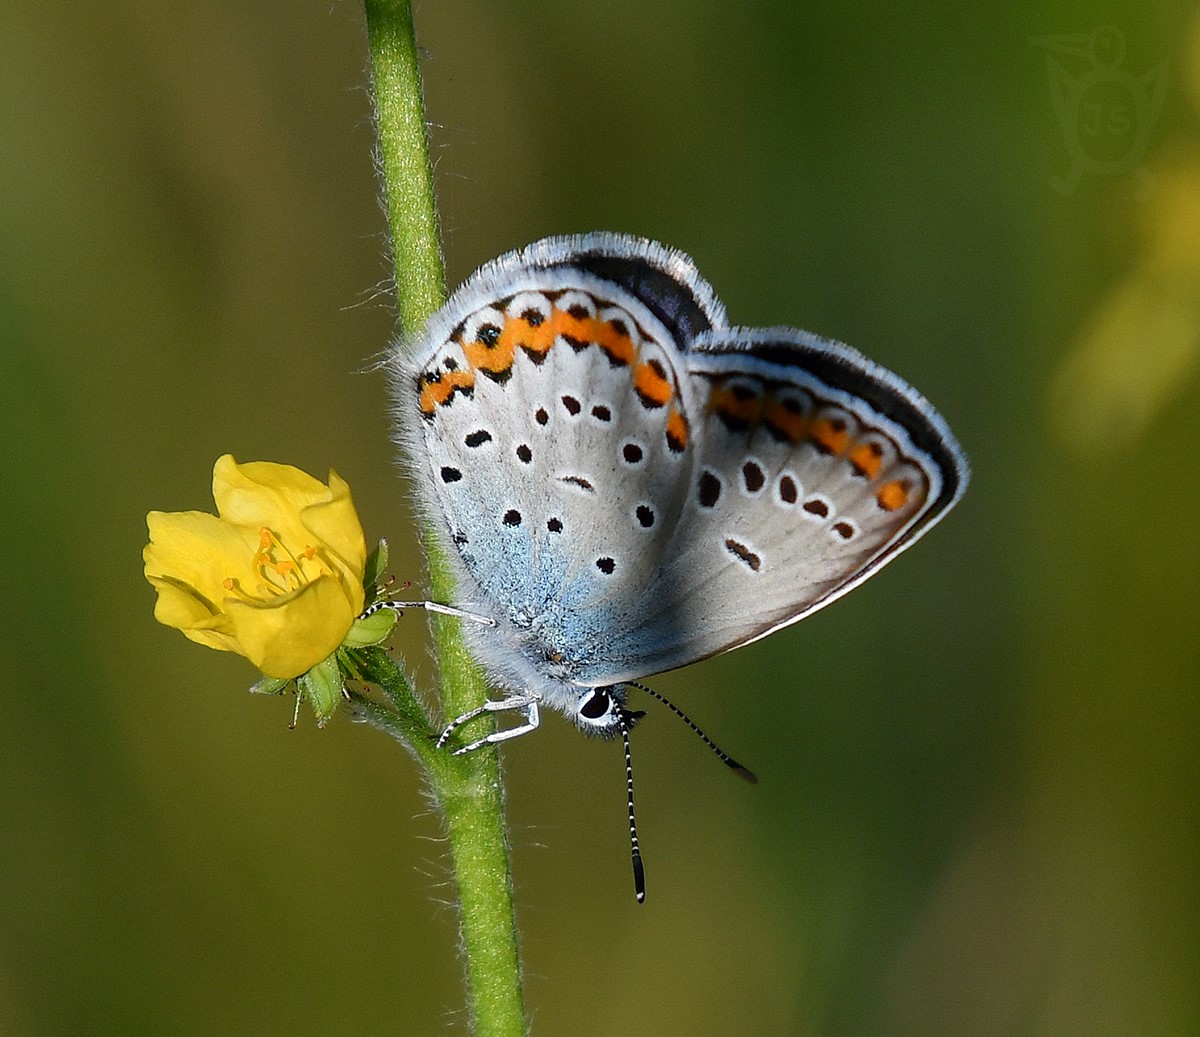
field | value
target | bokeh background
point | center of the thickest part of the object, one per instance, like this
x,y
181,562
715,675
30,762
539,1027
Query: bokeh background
x,y
980,779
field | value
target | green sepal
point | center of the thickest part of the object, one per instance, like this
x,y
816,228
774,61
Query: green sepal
x,y
271,686
373,574
370,630
321,687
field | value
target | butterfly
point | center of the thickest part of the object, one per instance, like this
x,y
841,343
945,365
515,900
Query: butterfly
x,y
626,484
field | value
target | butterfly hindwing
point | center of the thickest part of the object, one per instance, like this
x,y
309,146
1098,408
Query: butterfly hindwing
x,y
814,467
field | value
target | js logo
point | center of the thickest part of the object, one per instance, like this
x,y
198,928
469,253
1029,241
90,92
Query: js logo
x,y
1105,113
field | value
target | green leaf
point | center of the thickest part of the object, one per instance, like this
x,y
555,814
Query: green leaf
x,y
371,630
271,686
376,570
321,687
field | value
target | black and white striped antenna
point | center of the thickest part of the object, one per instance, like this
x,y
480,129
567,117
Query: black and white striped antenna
x,y
721,754
639,872
624,719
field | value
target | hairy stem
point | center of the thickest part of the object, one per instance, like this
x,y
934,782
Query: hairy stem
x,y
467,787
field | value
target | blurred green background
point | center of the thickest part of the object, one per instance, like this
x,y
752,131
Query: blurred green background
x,y
985,824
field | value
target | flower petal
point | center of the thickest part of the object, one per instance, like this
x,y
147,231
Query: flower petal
x,y
197,550
290,636
181,607
262,493
334,524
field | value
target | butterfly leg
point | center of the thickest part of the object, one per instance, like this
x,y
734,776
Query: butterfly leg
x,y
526,705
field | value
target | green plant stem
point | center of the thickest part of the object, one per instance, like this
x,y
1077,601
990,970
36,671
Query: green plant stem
x,y
467,787
404,162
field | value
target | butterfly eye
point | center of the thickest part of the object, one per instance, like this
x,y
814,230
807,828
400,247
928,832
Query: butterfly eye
x,y
595,705
595,709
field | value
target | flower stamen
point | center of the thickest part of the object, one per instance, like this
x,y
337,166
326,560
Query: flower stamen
x,y
232,585
280,571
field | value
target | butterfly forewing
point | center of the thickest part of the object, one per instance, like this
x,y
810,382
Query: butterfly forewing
x,y
558,434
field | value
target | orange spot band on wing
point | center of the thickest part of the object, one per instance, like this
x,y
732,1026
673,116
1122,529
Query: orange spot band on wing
x,y
539,339
617,344
496,358
741,408
677,431
867,459
789,422
652,384
439,391
892,495
828,435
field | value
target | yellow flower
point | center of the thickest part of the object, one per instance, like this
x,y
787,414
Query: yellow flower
x,y
278,577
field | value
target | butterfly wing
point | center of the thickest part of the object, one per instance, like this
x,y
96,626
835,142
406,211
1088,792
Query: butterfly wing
x,y
547,409
628,485
815,468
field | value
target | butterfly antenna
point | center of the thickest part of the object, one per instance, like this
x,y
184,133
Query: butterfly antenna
x,y
722,755
639,872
